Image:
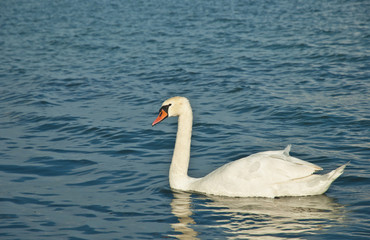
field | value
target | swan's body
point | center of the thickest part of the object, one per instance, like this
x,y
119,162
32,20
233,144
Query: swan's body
x,y
265,174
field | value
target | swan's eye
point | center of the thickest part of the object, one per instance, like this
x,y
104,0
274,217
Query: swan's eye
x,y
165,108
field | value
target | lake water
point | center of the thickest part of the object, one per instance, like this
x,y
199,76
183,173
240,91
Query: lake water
x,y
82,81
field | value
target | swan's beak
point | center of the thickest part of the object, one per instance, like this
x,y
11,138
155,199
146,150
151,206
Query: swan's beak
x,y
162,115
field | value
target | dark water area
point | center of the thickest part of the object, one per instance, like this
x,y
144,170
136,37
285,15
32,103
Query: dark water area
x,y
82,81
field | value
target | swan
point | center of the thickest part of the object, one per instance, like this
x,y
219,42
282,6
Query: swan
x,y
265,174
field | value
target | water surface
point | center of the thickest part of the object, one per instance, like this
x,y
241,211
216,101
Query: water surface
x,y
81,83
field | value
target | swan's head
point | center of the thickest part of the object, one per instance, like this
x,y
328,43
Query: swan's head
x,y
173,107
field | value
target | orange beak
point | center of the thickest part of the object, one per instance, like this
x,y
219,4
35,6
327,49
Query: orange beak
x,y
162,115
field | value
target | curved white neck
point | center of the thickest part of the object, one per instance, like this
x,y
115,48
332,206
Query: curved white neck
x,y
178,175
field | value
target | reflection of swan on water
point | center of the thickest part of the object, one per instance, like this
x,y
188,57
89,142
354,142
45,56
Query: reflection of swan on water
x,y
180,207
257,217
287,215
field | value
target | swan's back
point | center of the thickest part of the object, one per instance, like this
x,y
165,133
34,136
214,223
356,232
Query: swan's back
x,y
268,174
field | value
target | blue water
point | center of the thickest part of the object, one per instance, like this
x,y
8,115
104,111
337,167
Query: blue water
x,y
82,81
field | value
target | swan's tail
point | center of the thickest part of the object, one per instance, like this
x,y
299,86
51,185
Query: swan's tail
x,y
314,184
336,172
329,178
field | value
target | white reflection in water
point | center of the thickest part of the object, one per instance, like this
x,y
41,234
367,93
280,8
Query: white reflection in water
x,y
257,217
180,206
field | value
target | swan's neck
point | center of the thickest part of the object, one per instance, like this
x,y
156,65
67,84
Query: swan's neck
x,y
178,175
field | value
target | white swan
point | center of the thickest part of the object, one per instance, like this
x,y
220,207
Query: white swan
x,y
264,174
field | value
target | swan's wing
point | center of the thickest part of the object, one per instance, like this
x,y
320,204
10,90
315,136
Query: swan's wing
x,y
284,155
256,175
267,167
